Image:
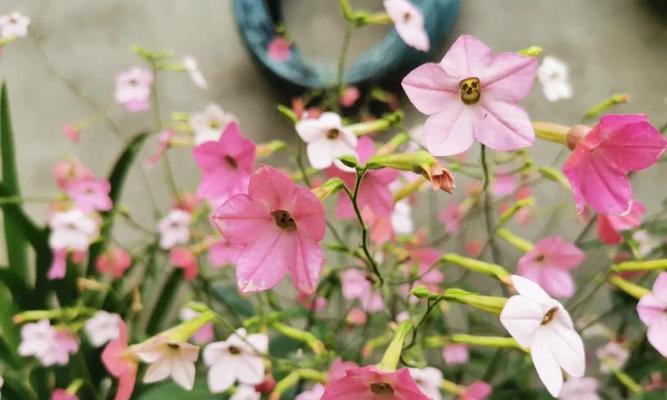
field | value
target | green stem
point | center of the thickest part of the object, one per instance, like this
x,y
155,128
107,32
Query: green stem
x,y
347,38
488,216
393,353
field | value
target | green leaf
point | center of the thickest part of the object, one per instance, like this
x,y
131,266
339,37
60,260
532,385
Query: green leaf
x,y
229,295
9,331
172,391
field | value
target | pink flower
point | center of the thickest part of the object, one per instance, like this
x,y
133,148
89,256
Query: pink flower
x,y
133,88
90,194
71,132
71,230
314,393
279,49
478,390
121,363
652,310
369,383
597,168
612,356
359,286
428,275
49,345
226,164
473,92
350,96
451,216
182,257
455,354
374,191
280,226
504,185
610,226
579,389
205,334
68,171
409,23
114,262
163,145
62,394
174,228
356,317
549,263
223,253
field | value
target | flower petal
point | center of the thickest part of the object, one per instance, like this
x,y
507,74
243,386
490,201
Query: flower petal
x,y
466,58
546,366
221,377
451,130
265,262
510,77
157,371
521,317
657,334
430,88
567,348
631,142
503,126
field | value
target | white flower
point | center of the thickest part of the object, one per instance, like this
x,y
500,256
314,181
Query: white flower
x,y
169,358
580,389
48,345
174,228
428,380
401,218
133,88
315,393
237,358
327,139
554,76
72,230
209,124
102,328
612,356
13,25
245,392
645,242
409,23
541,324
192,67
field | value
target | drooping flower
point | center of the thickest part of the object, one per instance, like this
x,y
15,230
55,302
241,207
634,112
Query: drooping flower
x,y
401,218
237,358
409,23
71,230
359,286
374,192
478,390
597,168
223,253
174,228
580,389
192,67
610,227
102,328
541,324
169,358
62,394
133,88
472,93
455,354
90,194
652,310
121,363
612,356
163,145
549,263
554,75
279,49
370,383
226,164
114,262
13,25
314,393
205,334
326,139
209,124
428,380
280,226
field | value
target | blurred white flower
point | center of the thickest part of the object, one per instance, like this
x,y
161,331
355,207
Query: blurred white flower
x,y
580,389
209,124
13,25
401,218
72,230
428,380
612,356
554,76
169,358
133,88
102,327
192,67
645,242
174,228
245,392
409,23
326,139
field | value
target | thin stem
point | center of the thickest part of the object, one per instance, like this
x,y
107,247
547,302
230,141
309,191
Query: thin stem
x,y
488,217
347,38
168,172
24,199
584,232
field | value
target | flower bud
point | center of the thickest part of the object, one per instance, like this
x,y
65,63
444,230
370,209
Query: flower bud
x,y
328,188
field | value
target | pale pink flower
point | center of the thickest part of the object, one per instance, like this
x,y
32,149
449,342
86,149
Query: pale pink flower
x,y
358,285
472,93
409,23
205,334
455,354
133,88
114,262
72,133
182,257
49,345
598,167
121,363
652,310
356,317
174,228
67,171
13,25
451,217
374,192
223,253
349,96
326,139
338,369
209,124
541,324
423,260
163,145
62,394
504,185
169,358
369,383
428,380
280,226
90,194
226,164
610,227
279,49
478,390
612,356
315,303
580,389
192,67
71,230
314,393
103,327
237,358
549,263
554,75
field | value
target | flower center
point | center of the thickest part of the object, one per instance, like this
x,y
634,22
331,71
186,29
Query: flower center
x,y
382,388
233,350
214,124
133,82
284,220
549,316
333,134
539,258
406,17
470,90
173,345
231,162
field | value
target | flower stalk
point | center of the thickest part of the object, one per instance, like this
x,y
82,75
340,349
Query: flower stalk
x,y
628,287
392,355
